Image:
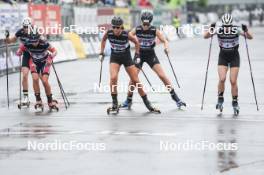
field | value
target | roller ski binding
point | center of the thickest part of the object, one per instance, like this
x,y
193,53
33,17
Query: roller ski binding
x,y
219,105
113,110
180,104
53,106
126,105
39,106
235,108
24,103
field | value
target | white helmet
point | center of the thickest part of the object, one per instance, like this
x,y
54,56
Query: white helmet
x,y
27,22
227,19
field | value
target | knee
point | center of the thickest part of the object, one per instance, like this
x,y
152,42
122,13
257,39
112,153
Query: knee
x,y
114,79
35,79
233,82
45,82
135,79
222,79
25,75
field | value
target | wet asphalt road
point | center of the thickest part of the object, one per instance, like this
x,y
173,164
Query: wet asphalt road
x,y
132,140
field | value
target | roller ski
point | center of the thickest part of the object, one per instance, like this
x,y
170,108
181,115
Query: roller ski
x,y
180,104
24,103
219,105
150,107
113,110
126,105
39,106
235,108
53,106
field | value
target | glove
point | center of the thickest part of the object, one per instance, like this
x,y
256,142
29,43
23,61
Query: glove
x,y
166,50
101,57
19,52
213,25
244,28
7,34
52,55
137,59
49,60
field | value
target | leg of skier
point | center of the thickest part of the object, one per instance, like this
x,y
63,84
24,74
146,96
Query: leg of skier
x,y
161,74
222,71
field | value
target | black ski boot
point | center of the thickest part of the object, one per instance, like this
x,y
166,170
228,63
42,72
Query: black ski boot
x,y
235,106
114,109
220,102
149,106
178,101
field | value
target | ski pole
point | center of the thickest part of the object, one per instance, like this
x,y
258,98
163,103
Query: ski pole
x,y
206,74
64,93
66,102
147,79
251,74
7,78
101,69
172,68
20,69
62,90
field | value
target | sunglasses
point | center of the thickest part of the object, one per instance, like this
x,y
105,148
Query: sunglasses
x,y
146,24
116,27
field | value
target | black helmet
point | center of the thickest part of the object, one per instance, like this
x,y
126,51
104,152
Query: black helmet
x,y
117,21
146,17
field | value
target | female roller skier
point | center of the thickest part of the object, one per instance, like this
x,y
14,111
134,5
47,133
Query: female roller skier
x,y
228,38
41,58
120,55
146,35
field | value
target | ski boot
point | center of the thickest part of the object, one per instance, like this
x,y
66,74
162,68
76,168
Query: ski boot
x,y
126,105
39,106
149,106
53,106
219,105
23,103
180,104
235,107
114,109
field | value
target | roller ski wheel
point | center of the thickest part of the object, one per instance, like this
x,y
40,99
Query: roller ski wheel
x,y
180,104
21,105
53,106
126,105
155,110
236,109
39,106
113,110
220,107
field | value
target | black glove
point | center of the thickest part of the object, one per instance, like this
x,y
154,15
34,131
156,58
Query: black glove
x,y
137,59
7,34
244,28
213,25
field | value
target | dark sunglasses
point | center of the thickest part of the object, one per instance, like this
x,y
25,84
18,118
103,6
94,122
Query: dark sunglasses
x,y
146,24
116,27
